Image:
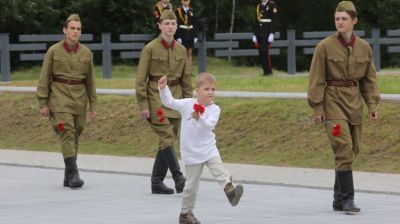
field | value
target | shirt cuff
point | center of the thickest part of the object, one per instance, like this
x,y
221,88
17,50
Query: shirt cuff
x,y
43,103
318,110
92,107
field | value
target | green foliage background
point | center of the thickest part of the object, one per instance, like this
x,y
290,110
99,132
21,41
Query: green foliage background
x,y
127,16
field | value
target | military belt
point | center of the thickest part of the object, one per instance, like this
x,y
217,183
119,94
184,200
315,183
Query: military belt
x,y
341,83
68,81
169,82
186,27
265,20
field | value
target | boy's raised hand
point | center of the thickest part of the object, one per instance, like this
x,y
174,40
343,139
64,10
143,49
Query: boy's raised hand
x,y
162,82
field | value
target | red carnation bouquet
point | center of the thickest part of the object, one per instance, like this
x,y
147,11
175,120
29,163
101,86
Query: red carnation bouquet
x,y
335,128
160,115
198,108
60,125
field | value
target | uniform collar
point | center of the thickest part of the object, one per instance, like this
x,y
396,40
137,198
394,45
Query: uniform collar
x,y
68,49
185,9
343,41
165,44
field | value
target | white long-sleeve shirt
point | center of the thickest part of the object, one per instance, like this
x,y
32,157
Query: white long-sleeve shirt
x,y
197,139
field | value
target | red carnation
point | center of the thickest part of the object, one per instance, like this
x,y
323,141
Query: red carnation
x,y
336,130
198,108
160,112
160,115
60,126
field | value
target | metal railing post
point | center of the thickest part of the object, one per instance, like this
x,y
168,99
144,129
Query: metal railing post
x,y
106,55
5,57
376,48
291,52
202,57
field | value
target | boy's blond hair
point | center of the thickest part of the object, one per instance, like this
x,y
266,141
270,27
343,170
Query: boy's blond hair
x,y
203,78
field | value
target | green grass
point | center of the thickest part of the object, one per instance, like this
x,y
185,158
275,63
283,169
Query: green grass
x,y
253,131
241,78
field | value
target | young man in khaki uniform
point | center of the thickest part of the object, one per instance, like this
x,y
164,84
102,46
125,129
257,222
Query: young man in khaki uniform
x,y
342,76
163,57
65,86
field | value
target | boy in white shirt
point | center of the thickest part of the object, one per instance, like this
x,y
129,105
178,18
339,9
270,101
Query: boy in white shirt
x,y
198,143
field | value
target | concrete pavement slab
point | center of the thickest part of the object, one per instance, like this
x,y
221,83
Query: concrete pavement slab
x,y
35,196
272,175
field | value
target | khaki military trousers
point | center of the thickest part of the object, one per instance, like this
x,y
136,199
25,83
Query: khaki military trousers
x,y
167,131
346,146
193,174
73,127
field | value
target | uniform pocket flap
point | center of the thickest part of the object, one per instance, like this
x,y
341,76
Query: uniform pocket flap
x,y
179,58
84,60
58,58
158,58
336,59
362,59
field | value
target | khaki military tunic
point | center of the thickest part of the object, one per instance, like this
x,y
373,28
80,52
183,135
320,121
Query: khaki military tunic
x,y
343,105
332,61
69,65
157,60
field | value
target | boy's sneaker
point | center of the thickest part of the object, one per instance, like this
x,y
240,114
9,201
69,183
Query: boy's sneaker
x,y
188,218
233,193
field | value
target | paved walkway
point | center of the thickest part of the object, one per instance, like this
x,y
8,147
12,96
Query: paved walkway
x,y
117,191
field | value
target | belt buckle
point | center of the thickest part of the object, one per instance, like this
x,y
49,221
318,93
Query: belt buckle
x,y
68,81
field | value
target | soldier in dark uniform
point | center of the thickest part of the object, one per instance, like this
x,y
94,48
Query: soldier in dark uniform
x,y
157,10
263,36
187,29
342,76
65,86
164,57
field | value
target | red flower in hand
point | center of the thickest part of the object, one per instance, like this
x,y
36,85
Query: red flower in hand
x,y
60,126
256,45
198,108
335,130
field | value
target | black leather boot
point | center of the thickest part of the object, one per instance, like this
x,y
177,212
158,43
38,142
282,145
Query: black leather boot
x,y
337,196
346,187
173,165
66,173
66,180
74,181
160,169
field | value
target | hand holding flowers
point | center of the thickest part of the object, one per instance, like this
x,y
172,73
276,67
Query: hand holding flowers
x,y
335,128
198,110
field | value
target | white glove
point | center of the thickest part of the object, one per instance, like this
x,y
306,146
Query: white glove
x,y
271,38
254,39
195,40
179,40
